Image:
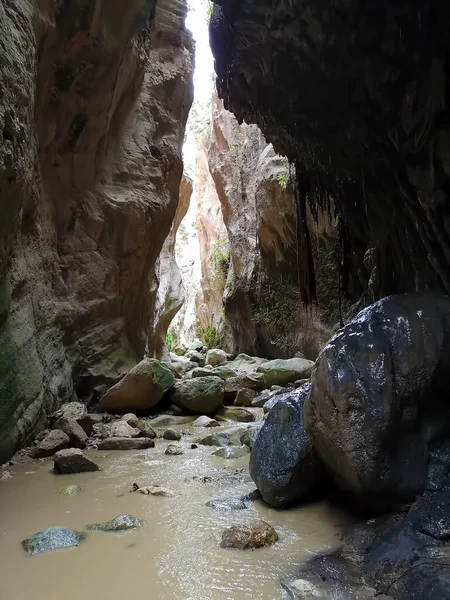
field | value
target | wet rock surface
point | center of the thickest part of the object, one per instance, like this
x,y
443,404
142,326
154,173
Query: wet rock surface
x,y
53,442
53,538
72,460
201,395
120,523
121,443
256,535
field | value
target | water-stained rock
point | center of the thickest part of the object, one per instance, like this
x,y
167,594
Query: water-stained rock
x,y
216,357
121,443
243,537
205,421
72,460
235,413
172,434
73,429
281,372
120,523
201,395
244,397
55,440
53,538
379,397
231,452
283,462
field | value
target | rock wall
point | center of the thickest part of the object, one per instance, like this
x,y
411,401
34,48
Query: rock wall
x,y
357,95
94,101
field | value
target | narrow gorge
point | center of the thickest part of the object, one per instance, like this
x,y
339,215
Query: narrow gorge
x,y
224,310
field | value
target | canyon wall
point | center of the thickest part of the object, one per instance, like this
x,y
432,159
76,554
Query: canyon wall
x,y
93,105
356,95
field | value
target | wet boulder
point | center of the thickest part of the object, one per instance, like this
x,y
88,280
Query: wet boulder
x,y
173,450
72,460
243,537
249,381
227,437
122,429
75,411
196,357
53,538
131,419
141,389
120,523
231,452
125,443
201,395
248,438
172,434
379,397
283,371
73,429
234,413
216,357
205,421
244,397
283,463
53,442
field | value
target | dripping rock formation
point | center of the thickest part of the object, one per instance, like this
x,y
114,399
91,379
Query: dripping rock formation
x,y
93,105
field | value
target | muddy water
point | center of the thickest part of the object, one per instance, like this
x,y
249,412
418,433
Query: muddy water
x,y
175,556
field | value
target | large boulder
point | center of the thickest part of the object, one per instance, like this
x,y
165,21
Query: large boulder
x,y
379,397
73,429
125,443
53,442
284,371
122,429
75,411
52,538
283,463
234,413
72,460
201,395
216,357
250,381
141,389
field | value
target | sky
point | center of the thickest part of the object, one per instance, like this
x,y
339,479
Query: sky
x,y
197,22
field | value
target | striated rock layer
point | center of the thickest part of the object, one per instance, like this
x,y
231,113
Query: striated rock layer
x,y
356,94
94,101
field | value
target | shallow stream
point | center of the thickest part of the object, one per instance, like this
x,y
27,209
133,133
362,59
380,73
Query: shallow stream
x,y
176,555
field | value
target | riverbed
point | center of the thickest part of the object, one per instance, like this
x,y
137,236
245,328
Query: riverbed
x,y
177,554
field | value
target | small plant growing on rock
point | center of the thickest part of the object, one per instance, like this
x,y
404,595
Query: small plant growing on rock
x,y
220,262
283,180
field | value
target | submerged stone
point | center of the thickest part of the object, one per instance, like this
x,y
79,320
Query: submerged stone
x,y
53,538
231,452
227,504
119,523
243,537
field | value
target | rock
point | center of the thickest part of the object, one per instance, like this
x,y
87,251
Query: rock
x,y
40,436
70,490
284,471
378,397
70,427
300,382
281,372
243,537
171,434
72,460
196,345
75,411
118,443
227,504
248,437
223,371
216,357
179,350
247,364
177,411
99,418
229,437
252,381
51,539
196,357
252,496
276,388
202,395
181,365
156,490
234,413
205,421
173,450
231,452
121,429
53,442
170,421
120,523
131,419
430,514
146,430
244,397
141,389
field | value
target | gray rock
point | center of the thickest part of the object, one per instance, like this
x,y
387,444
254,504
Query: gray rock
x,y
72,460
53,442
234,413
116,443
244,397
216,357
120,523
243,537
205,421
248,437
281,372
231,452
121,429
75,411
51,539
131,419
173,450
73,429
196,357
283,463
146,429
170,421
171,434
202,395
70,490
225,504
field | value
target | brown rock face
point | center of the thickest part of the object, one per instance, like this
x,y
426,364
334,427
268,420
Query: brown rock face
x,y
94,101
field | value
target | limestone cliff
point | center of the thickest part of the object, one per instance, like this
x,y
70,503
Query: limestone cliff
x,y
93,104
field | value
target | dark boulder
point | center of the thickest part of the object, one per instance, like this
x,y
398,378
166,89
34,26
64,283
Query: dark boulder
x,y
379,397
283,463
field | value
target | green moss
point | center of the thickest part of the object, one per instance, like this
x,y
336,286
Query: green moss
x,y
210,336
220,262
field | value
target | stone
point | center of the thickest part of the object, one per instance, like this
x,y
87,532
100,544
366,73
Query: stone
x,y
119,523
202,395
40,436
234,413
146,430
75,411
248,438
229,437
181,365
118,443
244,363
223,371
205,421
70,427
131,419
378,397
252,381
216,357
231,452
171,434
121,429
70,490
53,538
244,397
276,388
300,382
283,463
173,450
196,345
243,537
53,442
226,504
170,421
430,514
281,372
72,460
179,350
196,357
156,490
142,388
